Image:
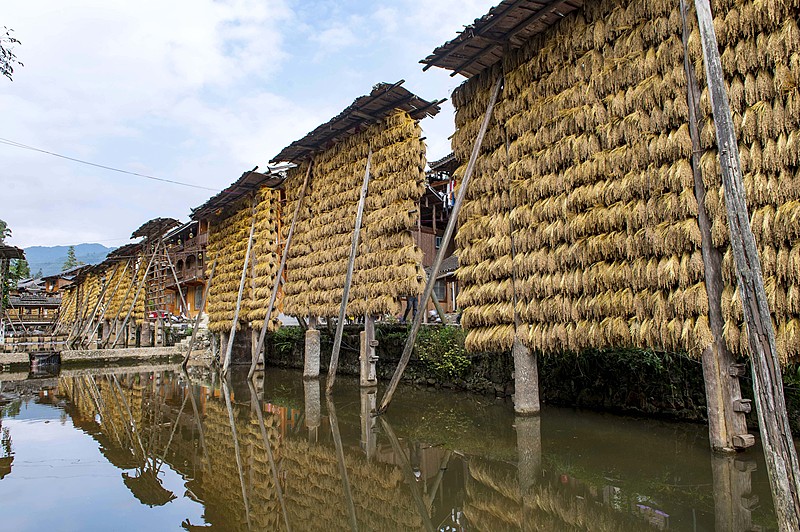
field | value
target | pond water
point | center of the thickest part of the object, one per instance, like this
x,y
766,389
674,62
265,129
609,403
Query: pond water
x,y
154,448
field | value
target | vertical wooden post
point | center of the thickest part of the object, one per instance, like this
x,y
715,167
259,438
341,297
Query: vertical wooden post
x,y
369,443
235,321
337,341
284,257
367,373
448,236
200,311
776,435
722,389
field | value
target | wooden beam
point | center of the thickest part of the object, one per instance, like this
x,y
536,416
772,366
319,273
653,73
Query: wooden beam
x,y
776,435
200,311
284,257
229,349
446,238
337,342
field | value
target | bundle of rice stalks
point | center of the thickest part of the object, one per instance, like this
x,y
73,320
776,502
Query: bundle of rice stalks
x,y
387,266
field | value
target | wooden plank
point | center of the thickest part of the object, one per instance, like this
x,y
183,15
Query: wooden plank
x,y
337,342
284,257
200,311
437,263
776,435
232,335
722,391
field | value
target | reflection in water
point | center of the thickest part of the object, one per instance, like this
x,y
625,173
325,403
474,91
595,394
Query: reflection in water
x,y
274,456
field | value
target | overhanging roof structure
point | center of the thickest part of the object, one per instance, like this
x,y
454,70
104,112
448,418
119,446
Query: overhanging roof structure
x,y
365,110
249,182
510,23
11,252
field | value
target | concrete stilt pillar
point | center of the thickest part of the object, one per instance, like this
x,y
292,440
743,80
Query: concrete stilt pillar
x,y
312,350
368,370
313,408
369,443
529,451
526,380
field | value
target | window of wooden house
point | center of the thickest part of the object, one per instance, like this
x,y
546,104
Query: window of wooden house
x,y
440,289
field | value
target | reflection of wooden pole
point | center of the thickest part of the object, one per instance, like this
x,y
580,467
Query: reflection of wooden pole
x,y
776,435
437,482
200,312
131,423
313,408
337,441
733,497
337,341
196,412
411,480
232,335
134,270
278,276
437,263
255,404
172,434
236,448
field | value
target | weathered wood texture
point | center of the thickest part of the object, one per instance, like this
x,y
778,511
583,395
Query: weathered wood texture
x,y
776,435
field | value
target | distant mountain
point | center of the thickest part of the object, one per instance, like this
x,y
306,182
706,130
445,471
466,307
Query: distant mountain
x,y
50,259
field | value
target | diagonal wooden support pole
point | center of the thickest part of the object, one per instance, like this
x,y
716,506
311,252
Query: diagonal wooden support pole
x,y
446,238
122,302
229,349
110,297
200,312
136,295
278,276
776,435
337,341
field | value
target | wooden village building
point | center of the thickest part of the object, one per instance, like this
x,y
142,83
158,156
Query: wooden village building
x,y
186,246
7,254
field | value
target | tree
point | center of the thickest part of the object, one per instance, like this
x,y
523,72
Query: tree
x,y
5,232
19,270
71,261
7,57
39,274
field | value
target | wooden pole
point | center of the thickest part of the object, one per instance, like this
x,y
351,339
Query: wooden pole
x,y
177,283
337,341
437,263
196,412
776,435
725,426
119,310
284,257
228,405
110,297
232,335
200,311
411,480
438,306
255,404
136,295
337,441
85,328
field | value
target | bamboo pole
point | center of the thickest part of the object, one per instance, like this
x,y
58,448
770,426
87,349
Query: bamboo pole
x,y
337,341
278,276
411,480
200,311
439,310
226,364
92,315
255,404
446,238
236,448
337,441
138,291
776,435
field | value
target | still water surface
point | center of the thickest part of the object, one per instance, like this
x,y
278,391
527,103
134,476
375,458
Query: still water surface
x,y
157,449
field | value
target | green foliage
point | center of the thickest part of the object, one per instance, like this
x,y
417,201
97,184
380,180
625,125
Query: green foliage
x,y
71,261
441,349
285,339
19,270
7,57
5,232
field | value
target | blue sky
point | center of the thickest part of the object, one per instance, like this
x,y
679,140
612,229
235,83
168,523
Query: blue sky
x,y
190,90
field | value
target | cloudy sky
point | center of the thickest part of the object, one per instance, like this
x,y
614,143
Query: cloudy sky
x,y
196,91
